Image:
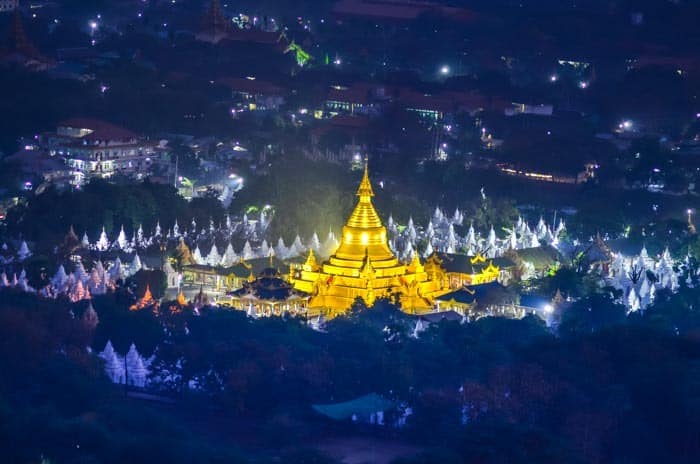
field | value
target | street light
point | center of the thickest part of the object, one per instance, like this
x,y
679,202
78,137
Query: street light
x,y
444,70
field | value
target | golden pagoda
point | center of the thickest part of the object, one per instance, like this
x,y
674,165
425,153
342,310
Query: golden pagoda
x,y
364,267
146,300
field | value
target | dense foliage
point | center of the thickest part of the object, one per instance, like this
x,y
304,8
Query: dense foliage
x,y
495,390
46,218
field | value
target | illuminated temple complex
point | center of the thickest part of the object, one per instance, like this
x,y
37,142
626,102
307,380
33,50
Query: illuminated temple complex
x,y
364,267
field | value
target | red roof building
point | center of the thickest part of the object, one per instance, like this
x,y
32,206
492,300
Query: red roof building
x,y
96,148
397,10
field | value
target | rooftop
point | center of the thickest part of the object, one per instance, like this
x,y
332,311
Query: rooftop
x,y
100,130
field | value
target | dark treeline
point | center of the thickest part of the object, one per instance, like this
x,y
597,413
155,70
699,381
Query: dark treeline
x,y
607,388
47,217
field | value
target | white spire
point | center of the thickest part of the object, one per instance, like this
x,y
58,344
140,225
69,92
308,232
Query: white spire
x,y
213,258
103,243
281,249
135,368
428,250
247,252
451,239
136,265
58,281
471,237
541,229
78,292
314,242
114,368
197,256
121,239
633,303
297,247
230,257
491,241
408,252
458,218
140,239
23,252
264,249
330,245
512,243
411,230
430,230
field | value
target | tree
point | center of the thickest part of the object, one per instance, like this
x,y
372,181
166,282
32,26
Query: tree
x,y
590,314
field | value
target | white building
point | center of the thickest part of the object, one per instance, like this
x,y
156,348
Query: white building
x,y
94,148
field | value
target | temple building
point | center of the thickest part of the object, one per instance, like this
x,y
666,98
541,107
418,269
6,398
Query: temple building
x,y
219,279
270,294
364,267
458,270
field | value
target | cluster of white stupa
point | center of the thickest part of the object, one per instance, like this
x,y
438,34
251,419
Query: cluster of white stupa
x,y
245,227
280,250
439,235
641,276
80,285
130,369
9,257
15,281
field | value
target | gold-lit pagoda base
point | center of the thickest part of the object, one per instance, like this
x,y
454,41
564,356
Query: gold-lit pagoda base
x,y
364,267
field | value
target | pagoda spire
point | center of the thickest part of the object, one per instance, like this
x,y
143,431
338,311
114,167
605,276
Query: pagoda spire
x,y
17,41
181,300
365,188
364,228
311,264
214,19
145,300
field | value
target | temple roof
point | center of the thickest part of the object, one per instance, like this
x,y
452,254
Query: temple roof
x,y
465,264
269,289
363,406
